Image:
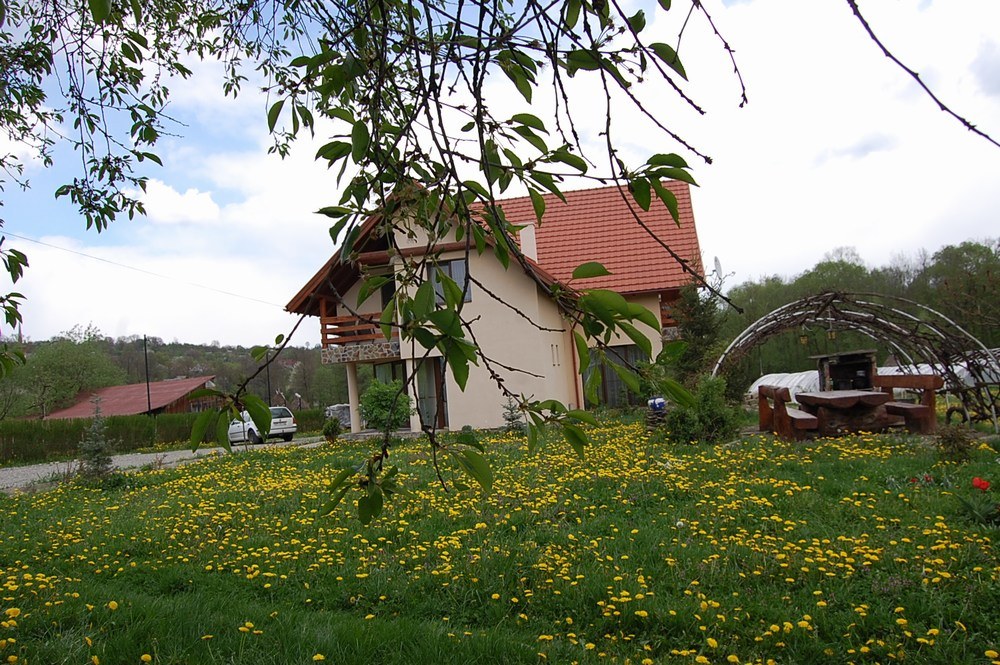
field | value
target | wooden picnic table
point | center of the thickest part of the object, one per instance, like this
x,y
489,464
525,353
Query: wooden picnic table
x,y
848,411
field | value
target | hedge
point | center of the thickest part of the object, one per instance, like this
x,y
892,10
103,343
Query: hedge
x,y
40,440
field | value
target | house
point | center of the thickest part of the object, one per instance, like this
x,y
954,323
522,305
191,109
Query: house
x,y
530,344
171,396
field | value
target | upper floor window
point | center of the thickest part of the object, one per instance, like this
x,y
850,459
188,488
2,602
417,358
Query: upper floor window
x,y
456,269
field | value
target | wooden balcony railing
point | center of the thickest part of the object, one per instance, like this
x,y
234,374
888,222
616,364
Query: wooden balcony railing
x,y
351,330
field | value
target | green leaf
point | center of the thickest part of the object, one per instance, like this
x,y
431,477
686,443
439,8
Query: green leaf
x,y
582,351
538,203
593,383
584,416
333,151
340,478
476,466
665,4
332,504
677,393
627,376
677,174
530,120
566,157
348,246
640,192
447,321
672,351
637,21
385,321
477,188
668,55
642,341
669,200
636,311
581,59
338,227
532,437
572,13
531,137
100,10
200,427
360,141
667,159
273,114
459,364
590,269
613,301
575,437
222,432
423,300
545,180
259,412
369,286
370,505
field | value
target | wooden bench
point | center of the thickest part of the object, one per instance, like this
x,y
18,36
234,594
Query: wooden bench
x,y
775,416
920,417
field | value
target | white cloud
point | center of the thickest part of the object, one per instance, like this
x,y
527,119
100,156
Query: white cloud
x,y
165,205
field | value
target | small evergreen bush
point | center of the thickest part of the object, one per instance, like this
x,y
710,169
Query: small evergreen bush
x,y
513,418
710,420
332,429
95,449
386,406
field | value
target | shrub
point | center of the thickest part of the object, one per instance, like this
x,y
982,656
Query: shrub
x,y
386,406
332,429
711,419
513,417
954,443
95,449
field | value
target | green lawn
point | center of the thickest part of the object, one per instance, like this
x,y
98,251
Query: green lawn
x,y
840,550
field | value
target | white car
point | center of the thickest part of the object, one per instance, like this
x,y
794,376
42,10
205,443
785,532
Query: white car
x,y
282,425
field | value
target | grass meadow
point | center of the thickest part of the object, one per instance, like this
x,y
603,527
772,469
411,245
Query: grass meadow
x,y
833,551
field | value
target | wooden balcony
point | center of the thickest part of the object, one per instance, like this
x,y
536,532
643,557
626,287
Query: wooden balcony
x,y
339,330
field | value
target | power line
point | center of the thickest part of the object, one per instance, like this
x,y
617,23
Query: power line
x,y
141,270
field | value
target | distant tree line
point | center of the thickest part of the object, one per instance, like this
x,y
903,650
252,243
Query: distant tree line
x,y
82,359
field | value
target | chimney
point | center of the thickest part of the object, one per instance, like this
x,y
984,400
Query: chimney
x,y
527,239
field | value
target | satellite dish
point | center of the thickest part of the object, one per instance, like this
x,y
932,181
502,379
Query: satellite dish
x,y
718,267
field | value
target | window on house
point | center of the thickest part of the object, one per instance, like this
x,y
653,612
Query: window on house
x,y
456,269
388,290
613,392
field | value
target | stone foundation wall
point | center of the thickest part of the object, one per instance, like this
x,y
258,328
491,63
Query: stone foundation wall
x,y
351,353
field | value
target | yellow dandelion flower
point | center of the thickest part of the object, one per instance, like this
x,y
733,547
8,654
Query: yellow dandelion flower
x,y
712,642
146,658
13,612
318,657
113,605
990,653
702,660
733,658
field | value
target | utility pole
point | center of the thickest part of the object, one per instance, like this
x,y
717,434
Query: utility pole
x,y
145,357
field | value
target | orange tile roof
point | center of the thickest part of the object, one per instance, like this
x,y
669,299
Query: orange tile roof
x,y
131,400
596,225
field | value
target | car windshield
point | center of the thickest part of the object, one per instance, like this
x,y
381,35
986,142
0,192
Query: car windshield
x,y
280,412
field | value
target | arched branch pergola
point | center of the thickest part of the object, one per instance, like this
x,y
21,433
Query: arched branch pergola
x,y
917,334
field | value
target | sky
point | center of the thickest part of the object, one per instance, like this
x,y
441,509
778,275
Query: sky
x,y
837,147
